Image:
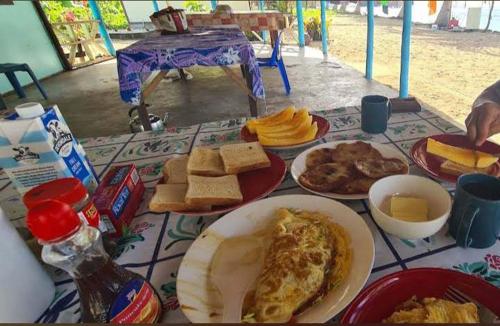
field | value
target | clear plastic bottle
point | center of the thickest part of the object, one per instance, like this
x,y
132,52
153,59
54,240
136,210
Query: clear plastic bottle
x,y
108,292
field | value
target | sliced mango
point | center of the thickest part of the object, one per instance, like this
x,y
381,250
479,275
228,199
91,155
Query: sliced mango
x,y
298,118
298,131
459,155
309,135
272,120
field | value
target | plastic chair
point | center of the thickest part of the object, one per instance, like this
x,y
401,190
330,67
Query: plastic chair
x,y
276,61
9,70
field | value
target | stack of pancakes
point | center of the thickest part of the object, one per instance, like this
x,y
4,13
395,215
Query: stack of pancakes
x,y
348,168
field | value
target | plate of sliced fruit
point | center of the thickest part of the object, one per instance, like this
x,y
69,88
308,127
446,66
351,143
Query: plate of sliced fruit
x,y
288,128
448,156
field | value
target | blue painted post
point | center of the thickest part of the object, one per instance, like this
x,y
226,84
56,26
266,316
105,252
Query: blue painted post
x,y
214,4
405,51
155,6
102,28
261,8
324,31
369,40
300,22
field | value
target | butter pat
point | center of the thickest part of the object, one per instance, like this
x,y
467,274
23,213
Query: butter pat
x,y
410,209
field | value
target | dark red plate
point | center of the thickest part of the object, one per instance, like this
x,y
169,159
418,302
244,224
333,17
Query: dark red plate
x,y
379,300
323,128
254,185
431,163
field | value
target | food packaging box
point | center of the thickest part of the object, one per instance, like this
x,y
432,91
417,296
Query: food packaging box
x,y
40,149
118,197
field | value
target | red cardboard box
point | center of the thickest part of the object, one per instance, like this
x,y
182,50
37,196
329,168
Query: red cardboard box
x,y
118,197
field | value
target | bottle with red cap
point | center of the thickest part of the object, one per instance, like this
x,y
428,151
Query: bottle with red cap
x,y
108,292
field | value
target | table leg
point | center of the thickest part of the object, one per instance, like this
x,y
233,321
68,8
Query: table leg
x,y
251,101
182,74
273,35
144,116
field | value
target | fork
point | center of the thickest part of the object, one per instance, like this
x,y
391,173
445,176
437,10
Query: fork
x,y
485,314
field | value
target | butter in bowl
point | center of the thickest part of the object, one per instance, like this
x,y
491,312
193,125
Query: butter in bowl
x,y
409,207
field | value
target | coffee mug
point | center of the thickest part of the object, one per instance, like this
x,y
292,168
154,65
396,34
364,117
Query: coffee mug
x,y
475,215
375,112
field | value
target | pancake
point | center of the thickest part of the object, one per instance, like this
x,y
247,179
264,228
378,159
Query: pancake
x,y
360,185
379,168
355,151
318,157
326,177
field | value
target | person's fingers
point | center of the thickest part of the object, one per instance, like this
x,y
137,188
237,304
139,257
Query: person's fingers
x,y
471,126
483,124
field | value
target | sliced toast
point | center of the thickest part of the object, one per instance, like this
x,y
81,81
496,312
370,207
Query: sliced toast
x,y
223,190
243,157
205,162
175,170
171,197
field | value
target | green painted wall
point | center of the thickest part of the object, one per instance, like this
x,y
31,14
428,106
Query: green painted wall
x,y
23,40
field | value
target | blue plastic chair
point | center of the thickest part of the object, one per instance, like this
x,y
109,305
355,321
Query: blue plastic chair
x,y
276,61
9,70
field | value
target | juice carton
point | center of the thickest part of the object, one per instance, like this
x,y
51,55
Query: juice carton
x,y
41,148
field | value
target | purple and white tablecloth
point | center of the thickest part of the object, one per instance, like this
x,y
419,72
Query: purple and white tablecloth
x,y
205,46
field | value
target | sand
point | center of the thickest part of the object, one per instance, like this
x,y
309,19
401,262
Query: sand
x,y
447,69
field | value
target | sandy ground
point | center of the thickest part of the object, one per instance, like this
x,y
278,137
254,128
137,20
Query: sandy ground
x,y
447,69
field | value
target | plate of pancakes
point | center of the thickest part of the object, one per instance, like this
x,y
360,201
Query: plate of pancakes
x,y
346,169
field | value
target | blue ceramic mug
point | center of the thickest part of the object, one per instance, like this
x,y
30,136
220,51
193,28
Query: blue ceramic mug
x,y
475,215
375,112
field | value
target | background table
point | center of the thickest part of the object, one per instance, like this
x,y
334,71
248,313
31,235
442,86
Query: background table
x,y
205,46
157,242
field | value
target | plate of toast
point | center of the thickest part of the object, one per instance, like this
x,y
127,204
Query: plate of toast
x,y
288,128
448,156
215,181
346,169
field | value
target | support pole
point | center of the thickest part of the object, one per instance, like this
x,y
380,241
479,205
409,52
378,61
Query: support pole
x,y
214,4
324,31
405,50
300,22
102,28
369,41
261,8
155,6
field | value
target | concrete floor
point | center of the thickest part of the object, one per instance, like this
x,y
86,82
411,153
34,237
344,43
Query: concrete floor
x,y
90,102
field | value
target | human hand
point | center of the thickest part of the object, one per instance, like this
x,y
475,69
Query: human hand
x,y
483,122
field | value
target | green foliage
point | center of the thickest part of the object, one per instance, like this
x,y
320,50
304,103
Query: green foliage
x,y
312,22
284,6
194,6
111,11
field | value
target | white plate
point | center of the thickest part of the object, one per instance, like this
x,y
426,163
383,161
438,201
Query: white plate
x,y
200,300
299,165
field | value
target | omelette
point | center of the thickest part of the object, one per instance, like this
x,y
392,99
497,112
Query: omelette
x,y
308,256
432,310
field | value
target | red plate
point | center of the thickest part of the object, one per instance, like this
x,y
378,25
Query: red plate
x,y
380,299
323,128
431,163
254,185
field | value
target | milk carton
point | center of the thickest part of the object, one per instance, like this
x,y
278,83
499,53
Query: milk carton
x,y
37,148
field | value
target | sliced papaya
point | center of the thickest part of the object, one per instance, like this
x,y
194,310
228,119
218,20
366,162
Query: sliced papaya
x,y
309,135
272,120
297,132
299,118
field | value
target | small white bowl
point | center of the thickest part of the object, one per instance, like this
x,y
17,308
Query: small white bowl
x,y
438,200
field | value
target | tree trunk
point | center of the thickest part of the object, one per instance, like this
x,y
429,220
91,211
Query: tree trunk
x,y
489,16
444,14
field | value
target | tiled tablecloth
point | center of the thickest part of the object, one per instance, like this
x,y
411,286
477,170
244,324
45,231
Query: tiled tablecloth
x,y
247,21
157,242
205,46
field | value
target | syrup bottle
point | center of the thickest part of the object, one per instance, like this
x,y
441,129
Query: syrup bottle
x,y
108,292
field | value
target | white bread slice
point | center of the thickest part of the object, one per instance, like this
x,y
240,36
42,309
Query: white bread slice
x,y
175,170
170,197
206,162
459,169
213,190
243,157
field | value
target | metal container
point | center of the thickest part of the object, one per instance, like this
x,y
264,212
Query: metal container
x,y
135,123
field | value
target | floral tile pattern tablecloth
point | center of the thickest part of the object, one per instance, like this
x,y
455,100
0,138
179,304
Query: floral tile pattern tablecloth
x,y
156,243
247,21
204,46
